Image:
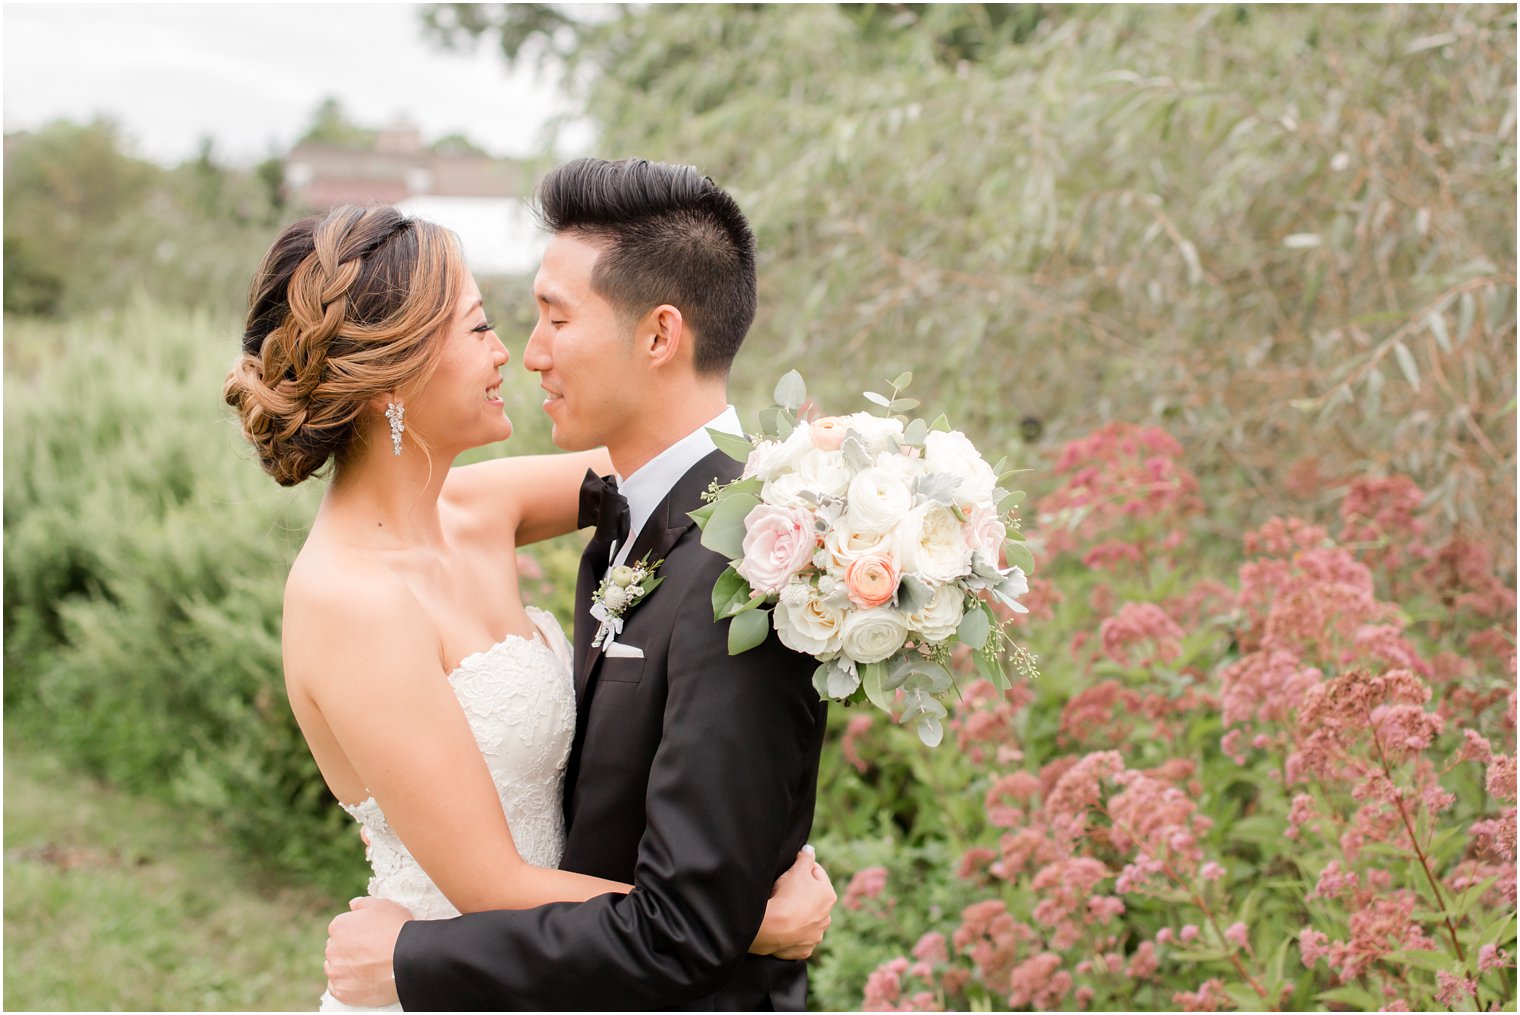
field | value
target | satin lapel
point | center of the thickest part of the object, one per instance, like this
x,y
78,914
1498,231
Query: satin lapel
x,y
585,627
663,530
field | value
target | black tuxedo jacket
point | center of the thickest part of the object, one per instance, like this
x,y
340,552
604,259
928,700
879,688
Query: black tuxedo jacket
x,y
692,776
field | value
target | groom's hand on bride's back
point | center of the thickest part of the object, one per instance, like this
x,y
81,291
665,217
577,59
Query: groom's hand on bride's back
x,y
360,944
798,911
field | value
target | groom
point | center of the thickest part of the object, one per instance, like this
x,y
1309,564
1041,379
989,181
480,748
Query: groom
x,y
693,773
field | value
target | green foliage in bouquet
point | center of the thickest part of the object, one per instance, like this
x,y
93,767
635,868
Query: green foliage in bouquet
x,y
925,611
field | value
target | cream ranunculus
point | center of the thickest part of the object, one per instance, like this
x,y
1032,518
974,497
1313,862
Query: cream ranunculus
x,y
878,497
873,430
812,628
778,542
821,473
873,635
952,452
938,619
931,543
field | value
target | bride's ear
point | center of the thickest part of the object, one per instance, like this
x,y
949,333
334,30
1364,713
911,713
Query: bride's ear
x,y
381,402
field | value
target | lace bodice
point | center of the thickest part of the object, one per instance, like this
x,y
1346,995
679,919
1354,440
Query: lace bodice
x,y
520,702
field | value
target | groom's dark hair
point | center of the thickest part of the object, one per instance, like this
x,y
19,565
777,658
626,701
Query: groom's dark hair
x,y
671,236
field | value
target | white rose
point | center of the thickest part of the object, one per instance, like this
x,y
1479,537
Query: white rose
x,y
844,544
953,453
937,619
931,543
878,498
813,628
873,430
872,635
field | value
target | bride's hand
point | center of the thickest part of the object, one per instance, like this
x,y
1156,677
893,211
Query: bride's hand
x,y
798,912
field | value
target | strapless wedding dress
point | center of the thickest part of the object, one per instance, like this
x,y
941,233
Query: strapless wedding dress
x,y
520,701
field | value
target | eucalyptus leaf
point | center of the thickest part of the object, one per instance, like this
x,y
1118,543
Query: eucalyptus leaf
x,y
770,425
821,679
915,432
736,448
898,671
1019,556
903,380
881,400
747,630
974,628
931,731
991,670
724,532
790,391
871,677
903,404
941,423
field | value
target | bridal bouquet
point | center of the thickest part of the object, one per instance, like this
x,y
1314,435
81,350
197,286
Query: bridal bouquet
x,y
872,543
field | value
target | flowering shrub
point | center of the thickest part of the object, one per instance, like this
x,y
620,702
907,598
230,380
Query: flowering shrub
x,y
1288,787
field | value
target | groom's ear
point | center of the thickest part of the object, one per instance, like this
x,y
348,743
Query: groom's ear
x,y
663,336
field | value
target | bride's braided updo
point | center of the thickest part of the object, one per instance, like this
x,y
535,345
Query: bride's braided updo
x,y
343,309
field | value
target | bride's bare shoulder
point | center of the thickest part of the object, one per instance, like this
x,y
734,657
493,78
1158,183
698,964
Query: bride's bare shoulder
x,y
337,597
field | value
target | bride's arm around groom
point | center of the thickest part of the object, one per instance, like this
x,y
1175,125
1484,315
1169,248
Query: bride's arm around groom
x,y
693,773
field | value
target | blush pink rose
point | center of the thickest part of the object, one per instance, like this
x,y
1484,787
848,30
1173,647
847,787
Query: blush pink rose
x,y
829,432
871,581
778,542
985,531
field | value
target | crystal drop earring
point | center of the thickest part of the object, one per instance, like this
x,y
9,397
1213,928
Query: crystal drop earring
x,y
395,412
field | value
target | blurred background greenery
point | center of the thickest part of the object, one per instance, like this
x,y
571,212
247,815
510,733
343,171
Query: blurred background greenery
x,y
1284,234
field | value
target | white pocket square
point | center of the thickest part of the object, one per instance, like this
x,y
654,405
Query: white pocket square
x,y
617,650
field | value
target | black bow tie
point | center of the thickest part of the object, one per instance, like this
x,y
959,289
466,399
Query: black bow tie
x,y
604,507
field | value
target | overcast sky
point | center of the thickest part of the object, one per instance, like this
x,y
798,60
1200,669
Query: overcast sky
x,y
249,75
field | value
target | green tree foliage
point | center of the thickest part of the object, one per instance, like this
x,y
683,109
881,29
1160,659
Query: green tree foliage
x,y
330,125
1285,233
87,223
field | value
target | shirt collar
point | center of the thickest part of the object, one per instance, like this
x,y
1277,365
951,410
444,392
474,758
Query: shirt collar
x,y
649,485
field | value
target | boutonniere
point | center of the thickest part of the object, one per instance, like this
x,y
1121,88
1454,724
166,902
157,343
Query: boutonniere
x,y
624,588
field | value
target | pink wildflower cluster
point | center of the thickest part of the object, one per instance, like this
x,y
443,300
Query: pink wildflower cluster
x,y
1364,769
983,725
890,988
867,884
1382,517
1141,636
1113,478
1461,574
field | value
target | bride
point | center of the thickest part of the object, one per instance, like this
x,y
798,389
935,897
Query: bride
x,y
438,706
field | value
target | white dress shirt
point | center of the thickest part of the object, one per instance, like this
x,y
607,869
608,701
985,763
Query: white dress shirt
x,y
649,485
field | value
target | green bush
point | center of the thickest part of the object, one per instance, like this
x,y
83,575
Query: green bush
x,y
146,555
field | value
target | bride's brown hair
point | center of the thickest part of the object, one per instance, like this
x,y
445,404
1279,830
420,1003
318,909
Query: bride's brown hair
x,y
343,309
